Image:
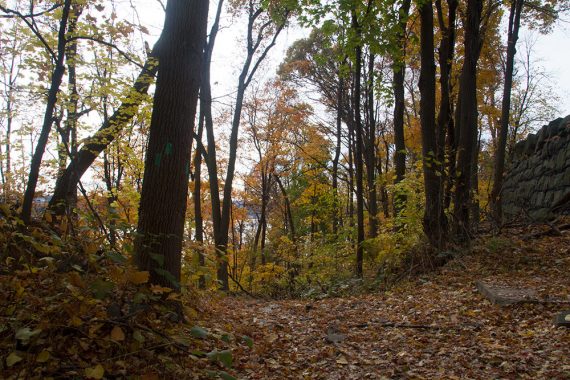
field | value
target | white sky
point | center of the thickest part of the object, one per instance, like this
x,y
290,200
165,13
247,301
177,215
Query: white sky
x,y
552,52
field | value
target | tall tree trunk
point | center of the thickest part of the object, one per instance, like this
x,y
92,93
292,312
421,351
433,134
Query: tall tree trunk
x,y
221,219
288,211
370,154
164,193
197,198
9,90
206,121
445,122
467,122
339,111
68,146
513,35
398,72
434,218
358,152
56,78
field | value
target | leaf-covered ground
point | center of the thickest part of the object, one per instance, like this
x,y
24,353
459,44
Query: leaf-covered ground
x,y
437,326
69,311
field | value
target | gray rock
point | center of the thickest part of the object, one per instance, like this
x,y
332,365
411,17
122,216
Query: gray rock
x,y
562,319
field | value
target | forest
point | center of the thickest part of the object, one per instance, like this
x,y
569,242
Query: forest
x,y
186,191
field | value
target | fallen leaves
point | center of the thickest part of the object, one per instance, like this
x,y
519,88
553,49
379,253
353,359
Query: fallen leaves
x,y
99,318
12,359
96,372
117,334
436,326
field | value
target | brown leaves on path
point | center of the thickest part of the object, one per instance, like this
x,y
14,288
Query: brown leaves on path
x,y
437,326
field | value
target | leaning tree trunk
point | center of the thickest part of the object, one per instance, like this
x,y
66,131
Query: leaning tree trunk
x,y
66,184
164,193
56,78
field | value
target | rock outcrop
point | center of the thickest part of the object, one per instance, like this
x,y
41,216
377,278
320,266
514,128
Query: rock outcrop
x,y
537,187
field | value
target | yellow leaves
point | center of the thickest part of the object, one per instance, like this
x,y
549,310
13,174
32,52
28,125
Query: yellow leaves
x,y
91,248
342,360
138,278
157,289
120,276
76,321
75,279
117,334
96,372
43,356
12,359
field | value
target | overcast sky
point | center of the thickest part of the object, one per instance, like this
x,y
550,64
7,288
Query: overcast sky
x,y
552,52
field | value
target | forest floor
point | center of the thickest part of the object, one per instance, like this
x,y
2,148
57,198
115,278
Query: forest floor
x,y
437,326
67,317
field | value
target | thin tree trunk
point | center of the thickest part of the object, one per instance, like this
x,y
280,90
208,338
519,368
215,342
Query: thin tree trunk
x,y
398,72
445,122
249,69
56,78
288,211
370,155
339,105
358,152
68,148
197,197
513,35
467,122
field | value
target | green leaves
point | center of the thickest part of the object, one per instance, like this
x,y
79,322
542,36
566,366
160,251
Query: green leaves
x,y
24,334
167,275
12,359
224,357
248,341
198,332
101,288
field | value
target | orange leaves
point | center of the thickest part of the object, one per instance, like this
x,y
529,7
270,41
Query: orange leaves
x,y
117,334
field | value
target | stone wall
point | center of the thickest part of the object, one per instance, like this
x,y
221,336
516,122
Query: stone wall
x,y
537,187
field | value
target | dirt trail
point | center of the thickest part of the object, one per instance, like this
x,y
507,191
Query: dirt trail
x,y
438,326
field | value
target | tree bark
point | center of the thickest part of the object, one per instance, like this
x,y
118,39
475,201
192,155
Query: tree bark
x,y
370,155
434,217
221,218
467,122
445,122
398,72
358,151
513,35
56,78
339,104
66,184
164,193
197,197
